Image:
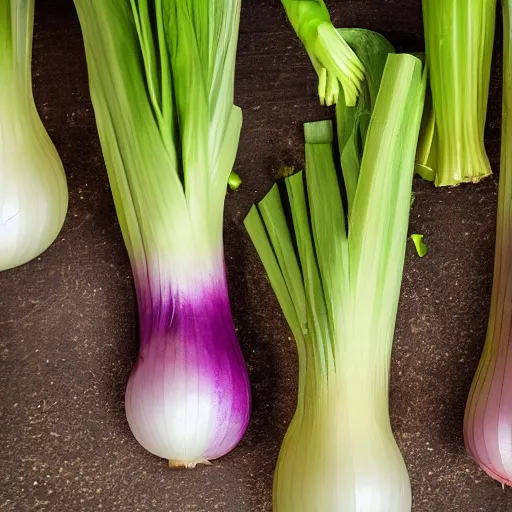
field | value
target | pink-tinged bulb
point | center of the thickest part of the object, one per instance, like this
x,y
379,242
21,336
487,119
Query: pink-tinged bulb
x,y
188,396
488,419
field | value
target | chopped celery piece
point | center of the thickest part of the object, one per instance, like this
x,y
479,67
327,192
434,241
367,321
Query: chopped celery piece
x,y
234,181
419,244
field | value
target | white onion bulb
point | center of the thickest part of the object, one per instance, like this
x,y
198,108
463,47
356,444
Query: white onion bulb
x,y
33,190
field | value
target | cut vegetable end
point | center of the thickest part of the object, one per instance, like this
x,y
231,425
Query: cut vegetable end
x,y
451,175
318,132
454,180
284,171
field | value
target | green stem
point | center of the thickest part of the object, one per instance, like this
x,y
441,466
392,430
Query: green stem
x,y
16,28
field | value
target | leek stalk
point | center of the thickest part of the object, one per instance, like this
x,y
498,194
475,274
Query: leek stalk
x,y
339,294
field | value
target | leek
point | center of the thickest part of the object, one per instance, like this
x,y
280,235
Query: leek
x,y
488,418
33,190
336,64
339,295
459,37
161,78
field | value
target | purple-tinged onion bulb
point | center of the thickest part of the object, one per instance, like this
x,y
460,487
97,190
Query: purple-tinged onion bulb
x,y
188,397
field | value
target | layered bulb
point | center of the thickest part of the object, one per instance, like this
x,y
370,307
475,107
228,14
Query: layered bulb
x,y
188,396
33,190
339,454
488,418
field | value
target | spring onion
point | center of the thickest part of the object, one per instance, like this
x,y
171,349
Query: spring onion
x,y
459,37
33,190
161,78
340,298
488,418
336,64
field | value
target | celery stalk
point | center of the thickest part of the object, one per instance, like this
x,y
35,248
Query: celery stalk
x,y
459,36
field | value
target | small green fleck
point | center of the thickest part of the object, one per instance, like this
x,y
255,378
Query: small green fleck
x,y
421,248
234,181
413,197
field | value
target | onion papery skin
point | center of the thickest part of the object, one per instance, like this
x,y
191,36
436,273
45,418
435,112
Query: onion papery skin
x,y
188,396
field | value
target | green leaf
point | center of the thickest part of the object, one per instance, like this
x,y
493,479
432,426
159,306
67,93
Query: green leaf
x,y
161,76
382,202
288,293
352,122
